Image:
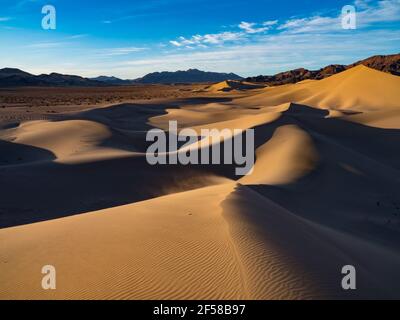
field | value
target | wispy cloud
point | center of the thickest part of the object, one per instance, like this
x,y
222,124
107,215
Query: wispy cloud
x,y
383,11
22,3
2,19
270,23
250,27
311,24
121,51
78,36
46,45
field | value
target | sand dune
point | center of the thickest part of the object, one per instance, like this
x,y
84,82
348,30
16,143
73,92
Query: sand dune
x,y
67,140
233,85
78,194
218,116
287,156
176,247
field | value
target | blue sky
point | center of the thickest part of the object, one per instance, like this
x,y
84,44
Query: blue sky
x,y
129,38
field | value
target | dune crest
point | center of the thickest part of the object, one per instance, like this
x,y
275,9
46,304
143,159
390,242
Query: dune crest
x,y
69,140
287,156
233,85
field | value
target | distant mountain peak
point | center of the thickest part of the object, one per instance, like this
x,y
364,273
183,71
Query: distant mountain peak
x,y
188,76
11,77
112,80
13,72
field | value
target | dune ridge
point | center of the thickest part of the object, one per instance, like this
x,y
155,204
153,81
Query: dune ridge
x,y
233,85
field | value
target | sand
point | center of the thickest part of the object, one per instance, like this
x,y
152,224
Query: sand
x,y
286,157
77,193
233,86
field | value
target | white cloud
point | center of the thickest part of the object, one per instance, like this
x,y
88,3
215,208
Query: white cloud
x,y
270,23
176,43
311,24
202,41
249,27
220,37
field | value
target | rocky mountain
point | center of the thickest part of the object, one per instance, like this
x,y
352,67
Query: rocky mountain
x,y
10,77
189,76
389,63
113,80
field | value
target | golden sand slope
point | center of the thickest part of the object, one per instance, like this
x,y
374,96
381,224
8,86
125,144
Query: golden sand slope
x,y
218,116
184,246
386,119
176,247
287,156
69,141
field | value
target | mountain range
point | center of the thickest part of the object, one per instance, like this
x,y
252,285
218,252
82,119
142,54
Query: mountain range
x,y
11,77
166,77
189,76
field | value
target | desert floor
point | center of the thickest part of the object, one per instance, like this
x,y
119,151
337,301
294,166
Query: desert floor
x,y
77,192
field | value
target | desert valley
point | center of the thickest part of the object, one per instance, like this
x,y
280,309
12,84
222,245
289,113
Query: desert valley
x,y
77,192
